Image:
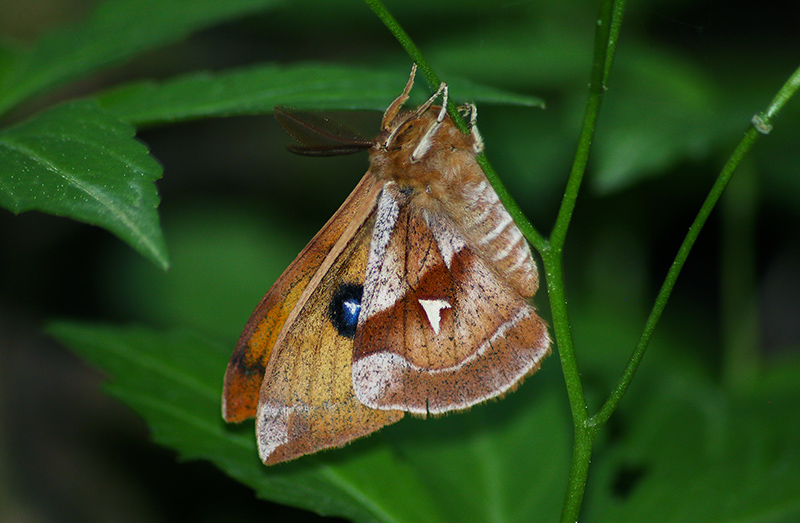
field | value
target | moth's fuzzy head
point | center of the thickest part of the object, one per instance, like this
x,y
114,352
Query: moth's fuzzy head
x,y
438,163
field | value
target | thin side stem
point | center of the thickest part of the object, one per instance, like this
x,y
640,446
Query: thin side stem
x,y
672,275
762,124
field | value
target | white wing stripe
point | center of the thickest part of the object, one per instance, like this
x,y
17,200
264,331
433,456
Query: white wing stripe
x,y
382,274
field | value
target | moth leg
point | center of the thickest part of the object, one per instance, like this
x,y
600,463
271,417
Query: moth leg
x,y
472,111
413,116
427,139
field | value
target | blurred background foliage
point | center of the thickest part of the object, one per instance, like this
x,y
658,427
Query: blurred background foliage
x,y
715,404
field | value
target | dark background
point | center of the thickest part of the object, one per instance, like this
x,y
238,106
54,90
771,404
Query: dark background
x,y
236,208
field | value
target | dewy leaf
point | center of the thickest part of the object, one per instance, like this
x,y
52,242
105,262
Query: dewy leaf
x,y
174,381
78,161
117,30
257,90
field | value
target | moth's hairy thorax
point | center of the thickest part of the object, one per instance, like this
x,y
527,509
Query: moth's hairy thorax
x,y
441,166
448,179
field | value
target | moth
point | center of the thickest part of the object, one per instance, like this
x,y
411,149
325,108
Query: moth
x,y
414,297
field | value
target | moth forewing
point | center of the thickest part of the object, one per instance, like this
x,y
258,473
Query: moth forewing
x,y
245,372
306,401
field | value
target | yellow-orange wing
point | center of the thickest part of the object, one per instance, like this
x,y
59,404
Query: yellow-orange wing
x,y
246,368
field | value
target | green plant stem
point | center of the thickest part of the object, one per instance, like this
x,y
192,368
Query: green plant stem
x,y
608,25
405,40
583,439
762,124
425,68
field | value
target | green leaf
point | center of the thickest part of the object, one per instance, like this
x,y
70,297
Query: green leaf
x,y
501,462
79,162
682,447
224,255
695,453
683,120
257,90
117,30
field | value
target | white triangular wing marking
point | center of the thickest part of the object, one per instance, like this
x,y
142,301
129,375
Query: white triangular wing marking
x,y
433,310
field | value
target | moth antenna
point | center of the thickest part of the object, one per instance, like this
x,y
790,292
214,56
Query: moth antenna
x,y
394,108
427,140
